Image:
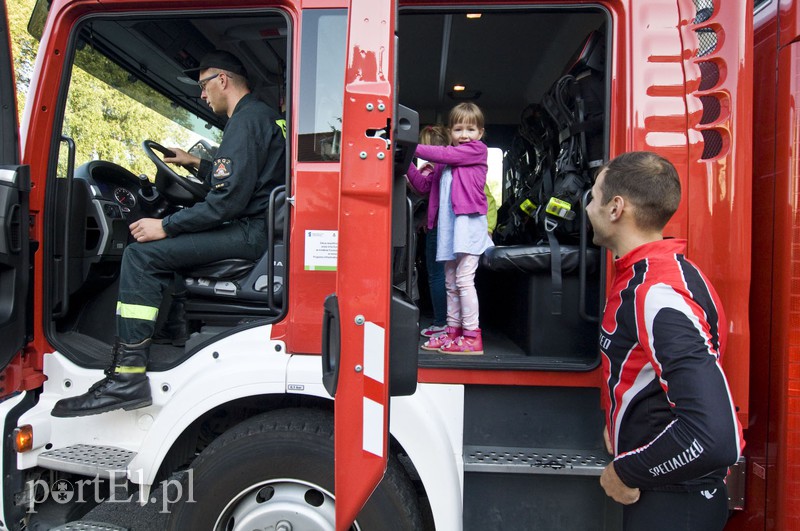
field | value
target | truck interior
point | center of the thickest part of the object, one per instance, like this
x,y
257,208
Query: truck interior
x,y
525,69
510,62
139,63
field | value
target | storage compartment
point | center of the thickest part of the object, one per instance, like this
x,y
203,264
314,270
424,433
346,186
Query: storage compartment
x,y
517,298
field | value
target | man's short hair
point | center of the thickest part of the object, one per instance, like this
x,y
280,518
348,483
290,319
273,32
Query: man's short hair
x,y
647,180
236,80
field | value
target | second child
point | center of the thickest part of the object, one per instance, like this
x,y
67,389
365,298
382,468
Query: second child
x,y
458,199
434,135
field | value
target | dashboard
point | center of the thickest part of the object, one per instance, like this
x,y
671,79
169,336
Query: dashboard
x,y
106,199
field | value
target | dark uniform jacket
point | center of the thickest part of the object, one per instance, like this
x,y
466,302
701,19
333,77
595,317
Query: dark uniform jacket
x,y
249,164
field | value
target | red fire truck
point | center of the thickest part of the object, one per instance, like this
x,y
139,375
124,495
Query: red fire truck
x,y
302,382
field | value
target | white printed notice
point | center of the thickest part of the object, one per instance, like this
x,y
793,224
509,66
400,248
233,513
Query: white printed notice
x,y
321,250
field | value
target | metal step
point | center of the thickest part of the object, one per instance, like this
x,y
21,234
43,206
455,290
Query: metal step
x,y
87,460
89,526
534,461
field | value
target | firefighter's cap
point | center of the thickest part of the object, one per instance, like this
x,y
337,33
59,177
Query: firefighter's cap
x,y
218,59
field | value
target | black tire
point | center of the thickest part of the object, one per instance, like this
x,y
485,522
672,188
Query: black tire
x,y
284,457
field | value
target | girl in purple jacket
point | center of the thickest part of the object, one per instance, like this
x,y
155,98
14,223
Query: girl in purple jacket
x,y
457,197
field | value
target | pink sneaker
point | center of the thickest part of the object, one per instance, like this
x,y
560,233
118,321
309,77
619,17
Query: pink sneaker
x,y
469,344
432,331
437,342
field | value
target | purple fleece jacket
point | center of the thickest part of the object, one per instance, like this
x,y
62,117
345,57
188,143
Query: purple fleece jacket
x,y
469,164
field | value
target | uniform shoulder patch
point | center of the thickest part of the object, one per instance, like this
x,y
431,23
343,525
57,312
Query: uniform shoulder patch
x,y
222,168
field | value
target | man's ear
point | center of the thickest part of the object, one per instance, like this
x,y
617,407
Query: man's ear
x,y
617,205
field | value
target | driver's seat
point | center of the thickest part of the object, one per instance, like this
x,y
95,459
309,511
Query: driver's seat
x,y
227,291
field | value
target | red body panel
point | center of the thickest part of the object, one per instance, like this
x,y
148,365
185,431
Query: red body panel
x,y
764,246
315,188
664,114
773,475
364,261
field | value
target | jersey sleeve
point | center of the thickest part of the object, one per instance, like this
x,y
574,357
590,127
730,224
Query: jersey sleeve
x,y
704,433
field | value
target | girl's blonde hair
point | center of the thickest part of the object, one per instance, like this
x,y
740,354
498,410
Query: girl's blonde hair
x,y
434,135
466,113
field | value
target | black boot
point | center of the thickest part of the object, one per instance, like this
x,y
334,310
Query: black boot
x,y
175,329
126,386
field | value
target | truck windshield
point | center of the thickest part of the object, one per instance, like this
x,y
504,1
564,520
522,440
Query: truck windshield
x,y
124,110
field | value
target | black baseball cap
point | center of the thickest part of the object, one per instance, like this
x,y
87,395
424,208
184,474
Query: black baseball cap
x,y
218,59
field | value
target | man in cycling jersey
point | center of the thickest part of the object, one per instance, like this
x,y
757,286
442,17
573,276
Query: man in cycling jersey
x,y
670,420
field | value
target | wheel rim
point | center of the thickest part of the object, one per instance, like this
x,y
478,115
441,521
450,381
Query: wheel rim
x,y
283,505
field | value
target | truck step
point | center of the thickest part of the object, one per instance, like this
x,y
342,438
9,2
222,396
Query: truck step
x,y
89,526
534,461
87,460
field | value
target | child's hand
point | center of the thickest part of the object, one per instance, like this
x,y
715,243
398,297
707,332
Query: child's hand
x,y
426,169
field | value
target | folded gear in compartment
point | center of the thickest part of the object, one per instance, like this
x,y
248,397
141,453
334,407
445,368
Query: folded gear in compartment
x,y
527,163
536,259
575,104
559,146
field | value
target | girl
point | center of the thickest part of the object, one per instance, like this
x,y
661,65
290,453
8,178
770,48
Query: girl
x,y
456,187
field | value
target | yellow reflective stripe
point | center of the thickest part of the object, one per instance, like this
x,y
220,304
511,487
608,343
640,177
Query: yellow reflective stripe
x,y
137,311
282,125
130,370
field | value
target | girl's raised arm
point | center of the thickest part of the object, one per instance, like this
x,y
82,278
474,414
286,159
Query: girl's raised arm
x,y
462,155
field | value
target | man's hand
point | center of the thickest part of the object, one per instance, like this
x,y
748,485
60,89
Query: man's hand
x,y
147,230
616,489
182,158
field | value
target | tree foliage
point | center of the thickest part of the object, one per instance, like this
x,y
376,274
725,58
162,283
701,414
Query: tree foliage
x,y
23,46
105,123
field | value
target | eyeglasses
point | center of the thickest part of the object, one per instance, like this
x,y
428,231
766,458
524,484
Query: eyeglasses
x,y
203,82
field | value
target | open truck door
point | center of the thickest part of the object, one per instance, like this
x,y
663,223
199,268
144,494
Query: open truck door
x,y
356,328
14,190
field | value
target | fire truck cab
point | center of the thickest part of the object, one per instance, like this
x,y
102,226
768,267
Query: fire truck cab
x,y
320,337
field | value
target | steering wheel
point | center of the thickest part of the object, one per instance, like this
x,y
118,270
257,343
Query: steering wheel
x,y
173,185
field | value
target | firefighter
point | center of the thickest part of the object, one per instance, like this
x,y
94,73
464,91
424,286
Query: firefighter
x,y
229,223
670,420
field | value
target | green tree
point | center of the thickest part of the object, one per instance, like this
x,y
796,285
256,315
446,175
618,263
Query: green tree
x,y
105,123
23,46
108,124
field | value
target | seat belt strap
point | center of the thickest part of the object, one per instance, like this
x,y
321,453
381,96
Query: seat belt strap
x,y
550,225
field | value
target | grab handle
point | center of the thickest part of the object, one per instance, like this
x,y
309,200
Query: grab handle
x,y
582,264
331,344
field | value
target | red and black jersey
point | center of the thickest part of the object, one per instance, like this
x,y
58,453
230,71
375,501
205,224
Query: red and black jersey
x,y
669,410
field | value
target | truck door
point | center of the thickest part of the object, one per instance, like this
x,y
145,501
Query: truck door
x,y
14,188
364,268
